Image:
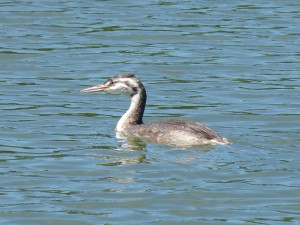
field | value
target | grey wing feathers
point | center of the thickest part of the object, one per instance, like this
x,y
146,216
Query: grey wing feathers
x,y
196,128
191,127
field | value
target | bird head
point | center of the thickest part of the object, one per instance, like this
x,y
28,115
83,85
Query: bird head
x,y
125,83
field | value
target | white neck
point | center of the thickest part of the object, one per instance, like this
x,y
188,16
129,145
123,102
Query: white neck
x,y
134,114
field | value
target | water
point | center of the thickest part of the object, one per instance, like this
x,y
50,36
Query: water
x,y
231,65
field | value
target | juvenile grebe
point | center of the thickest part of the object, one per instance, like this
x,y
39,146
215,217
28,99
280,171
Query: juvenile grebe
x,y
171,132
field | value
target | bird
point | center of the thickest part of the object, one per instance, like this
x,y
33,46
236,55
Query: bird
x,y
174,132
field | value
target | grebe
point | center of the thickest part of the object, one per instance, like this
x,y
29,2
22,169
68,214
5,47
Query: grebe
x,y
170,132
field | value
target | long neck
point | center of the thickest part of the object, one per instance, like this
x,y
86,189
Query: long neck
x,y
134,114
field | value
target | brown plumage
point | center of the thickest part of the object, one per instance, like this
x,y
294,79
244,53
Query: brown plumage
x,y
171,132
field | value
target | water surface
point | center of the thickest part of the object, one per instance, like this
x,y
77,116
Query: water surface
x,y
231,65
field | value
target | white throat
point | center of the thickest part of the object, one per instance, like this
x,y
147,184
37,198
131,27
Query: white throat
x,y
132,115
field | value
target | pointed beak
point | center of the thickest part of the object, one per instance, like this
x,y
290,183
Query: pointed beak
x,y
95,88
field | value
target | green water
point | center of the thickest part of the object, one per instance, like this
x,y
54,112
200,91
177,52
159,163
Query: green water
x,y
233,66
